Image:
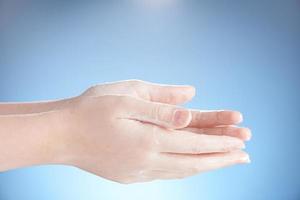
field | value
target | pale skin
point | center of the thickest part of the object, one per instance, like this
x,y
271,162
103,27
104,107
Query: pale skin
x,y
127,131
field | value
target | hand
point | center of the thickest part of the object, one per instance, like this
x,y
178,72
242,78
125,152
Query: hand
x,y
221,122
126,139
127,132
205,122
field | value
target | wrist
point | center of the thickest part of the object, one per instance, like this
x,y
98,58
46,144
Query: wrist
x,y
60,139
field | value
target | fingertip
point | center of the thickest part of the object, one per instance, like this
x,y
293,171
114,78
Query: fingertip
x,y
242,133
191,89
187,93
245,158
241,156
182,118
246,134
236,117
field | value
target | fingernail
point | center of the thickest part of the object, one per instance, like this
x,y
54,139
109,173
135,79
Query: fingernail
x,y
192,89
248,134
181,117
234,117
240,117
245,159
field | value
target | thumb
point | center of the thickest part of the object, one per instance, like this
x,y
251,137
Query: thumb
x,y
165,115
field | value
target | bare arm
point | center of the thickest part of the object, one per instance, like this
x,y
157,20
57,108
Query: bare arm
x,y
121,137
31,139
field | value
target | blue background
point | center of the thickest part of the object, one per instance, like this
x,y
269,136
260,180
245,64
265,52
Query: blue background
x,y
242,55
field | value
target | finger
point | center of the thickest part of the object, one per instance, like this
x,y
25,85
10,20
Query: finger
x,y
233,131
193,143
165,115
193,164
169,94
203,119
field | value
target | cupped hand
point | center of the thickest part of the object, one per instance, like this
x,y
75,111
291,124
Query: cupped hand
x,y
218,122
128,139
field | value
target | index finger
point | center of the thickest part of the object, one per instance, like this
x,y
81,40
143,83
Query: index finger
x,y
203,119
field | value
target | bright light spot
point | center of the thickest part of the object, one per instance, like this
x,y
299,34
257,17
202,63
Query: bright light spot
x,y
156,4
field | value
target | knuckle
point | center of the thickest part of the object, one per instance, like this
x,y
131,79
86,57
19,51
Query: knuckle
x,y
218,117
135,82
163,113
139,88
155,112
199,116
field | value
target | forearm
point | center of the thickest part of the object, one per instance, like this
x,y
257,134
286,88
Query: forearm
x,y
32,107
31,139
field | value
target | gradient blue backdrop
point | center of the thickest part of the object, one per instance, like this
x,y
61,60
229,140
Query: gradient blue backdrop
x,y
242,55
